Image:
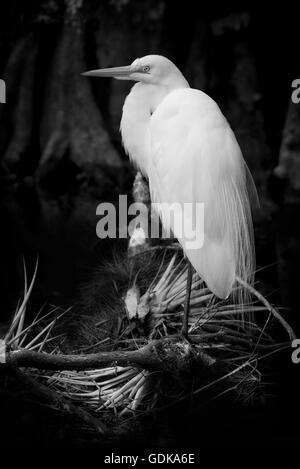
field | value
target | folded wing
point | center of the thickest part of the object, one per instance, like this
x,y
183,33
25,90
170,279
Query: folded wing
x,y
195,159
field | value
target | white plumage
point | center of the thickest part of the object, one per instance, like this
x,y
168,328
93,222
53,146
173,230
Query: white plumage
x,y
181,141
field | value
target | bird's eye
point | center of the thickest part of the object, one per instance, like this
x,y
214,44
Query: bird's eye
x,y
146,68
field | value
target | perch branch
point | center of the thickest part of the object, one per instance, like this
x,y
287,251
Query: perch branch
x,y
150,357
144,357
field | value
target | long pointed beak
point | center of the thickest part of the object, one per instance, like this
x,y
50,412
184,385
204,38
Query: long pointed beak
x,y
116,72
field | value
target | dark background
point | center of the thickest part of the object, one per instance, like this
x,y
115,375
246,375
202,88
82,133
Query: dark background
x,y
60,150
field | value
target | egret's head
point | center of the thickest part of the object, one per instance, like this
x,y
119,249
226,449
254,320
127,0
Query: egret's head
x,y
152,69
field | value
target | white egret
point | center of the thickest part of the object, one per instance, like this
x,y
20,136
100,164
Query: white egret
x,y
183,144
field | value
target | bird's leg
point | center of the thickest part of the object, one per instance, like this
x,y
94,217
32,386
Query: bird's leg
x,y
185,322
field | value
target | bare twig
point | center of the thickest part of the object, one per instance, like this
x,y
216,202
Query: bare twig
x,y
270,308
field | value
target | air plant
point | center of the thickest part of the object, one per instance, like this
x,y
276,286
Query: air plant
x,y
237,335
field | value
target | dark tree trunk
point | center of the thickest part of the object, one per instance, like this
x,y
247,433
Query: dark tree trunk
x,y
72,125
16,117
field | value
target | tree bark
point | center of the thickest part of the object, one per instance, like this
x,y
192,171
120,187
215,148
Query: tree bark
x,y
287,173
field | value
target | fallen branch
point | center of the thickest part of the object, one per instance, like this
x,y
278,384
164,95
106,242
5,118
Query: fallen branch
x,y
60,402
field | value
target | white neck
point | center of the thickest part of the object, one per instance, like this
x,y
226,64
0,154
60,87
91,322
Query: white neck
x,y
137,110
